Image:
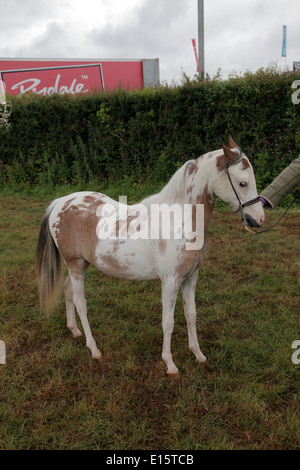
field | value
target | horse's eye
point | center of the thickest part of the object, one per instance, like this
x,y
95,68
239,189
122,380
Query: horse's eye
x,y
243,184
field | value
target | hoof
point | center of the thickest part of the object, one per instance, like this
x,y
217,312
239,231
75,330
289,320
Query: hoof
x,y
77,335
201,358
75,332
98,357
173,372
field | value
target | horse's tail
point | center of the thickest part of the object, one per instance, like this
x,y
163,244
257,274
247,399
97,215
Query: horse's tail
x,y
49,267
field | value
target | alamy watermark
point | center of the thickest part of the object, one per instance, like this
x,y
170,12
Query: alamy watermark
x,y
2,92
5,108
296,354
296,343
2,353
154,222
295,99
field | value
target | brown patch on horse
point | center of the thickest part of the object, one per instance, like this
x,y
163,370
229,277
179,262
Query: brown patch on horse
x,y
113,266
193,167
220,162
68,203
192,171
130,218
90,199
208,200
245,163
162,246
231,156
76,231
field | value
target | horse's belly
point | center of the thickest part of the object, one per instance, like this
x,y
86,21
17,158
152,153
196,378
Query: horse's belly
x,y
125,259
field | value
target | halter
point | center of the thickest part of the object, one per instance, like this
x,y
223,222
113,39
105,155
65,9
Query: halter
x,y
247,203
251,201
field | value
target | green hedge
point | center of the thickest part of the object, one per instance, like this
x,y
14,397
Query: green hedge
x,y
147,134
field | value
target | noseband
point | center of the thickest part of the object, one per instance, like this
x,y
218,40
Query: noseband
x,y
247,203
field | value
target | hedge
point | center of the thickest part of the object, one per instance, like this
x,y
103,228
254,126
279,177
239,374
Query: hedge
x,y
147,134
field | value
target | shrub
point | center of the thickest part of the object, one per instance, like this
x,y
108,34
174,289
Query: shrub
x,y
147,134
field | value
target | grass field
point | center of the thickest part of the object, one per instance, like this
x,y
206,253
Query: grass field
x,y
53,395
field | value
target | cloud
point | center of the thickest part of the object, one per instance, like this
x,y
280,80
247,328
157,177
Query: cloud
x,y
248,35
53,42
23,24
155,28
151,26
19,16
238,35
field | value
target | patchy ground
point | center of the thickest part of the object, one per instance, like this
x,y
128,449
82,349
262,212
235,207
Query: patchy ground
x,y
53,395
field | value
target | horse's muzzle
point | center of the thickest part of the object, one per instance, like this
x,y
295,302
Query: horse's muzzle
x,y
250,221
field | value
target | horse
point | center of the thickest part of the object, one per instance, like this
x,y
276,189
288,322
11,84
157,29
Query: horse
x,y
87,227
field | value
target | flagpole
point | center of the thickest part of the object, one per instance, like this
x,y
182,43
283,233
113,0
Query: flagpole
x,y
201,38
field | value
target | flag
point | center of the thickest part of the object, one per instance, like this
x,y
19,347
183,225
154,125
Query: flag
x,y
195,51
283,52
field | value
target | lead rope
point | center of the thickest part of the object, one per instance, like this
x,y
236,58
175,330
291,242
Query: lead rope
x,y
273,225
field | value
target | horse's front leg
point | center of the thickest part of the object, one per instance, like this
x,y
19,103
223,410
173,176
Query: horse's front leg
x,y
169,295
188,287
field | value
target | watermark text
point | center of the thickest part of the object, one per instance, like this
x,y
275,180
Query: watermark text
x,y
295,99
156,222
2,353
296,354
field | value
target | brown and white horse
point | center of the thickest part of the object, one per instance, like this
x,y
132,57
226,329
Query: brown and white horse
x,y
127,241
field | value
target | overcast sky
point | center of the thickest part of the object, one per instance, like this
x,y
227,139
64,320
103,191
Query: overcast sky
x,y
239,35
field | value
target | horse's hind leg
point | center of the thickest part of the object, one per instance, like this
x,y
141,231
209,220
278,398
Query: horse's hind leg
x,y
70,308
77,278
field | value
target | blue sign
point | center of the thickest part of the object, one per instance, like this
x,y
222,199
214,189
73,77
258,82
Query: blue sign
x,y
283,52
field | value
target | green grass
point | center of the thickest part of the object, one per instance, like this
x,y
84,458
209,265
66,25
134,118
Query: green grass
x,y
53,395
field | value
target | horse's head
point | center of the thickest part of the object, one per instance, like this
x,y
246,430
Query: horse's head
x,y
235,184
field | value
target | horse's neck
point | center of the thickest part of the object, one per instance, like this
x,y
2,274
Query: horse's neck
x,y
172,193
191,184
200,175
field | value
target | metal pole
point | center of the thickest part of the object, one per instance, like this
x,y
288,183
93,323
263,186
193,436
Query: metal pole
x,y
201,38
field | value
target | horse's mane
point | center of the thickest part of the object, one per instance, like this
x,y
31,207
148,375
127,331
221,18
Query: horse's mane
x,y
173,191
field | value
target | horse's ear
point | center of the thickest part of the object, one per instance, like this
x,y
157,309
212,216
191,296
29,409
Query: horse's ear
x,y
232,143
229,154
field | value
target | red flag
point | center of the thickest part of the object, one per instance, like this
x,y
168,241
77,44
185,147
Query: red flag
x,y
195,51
